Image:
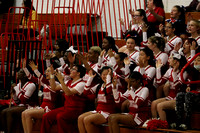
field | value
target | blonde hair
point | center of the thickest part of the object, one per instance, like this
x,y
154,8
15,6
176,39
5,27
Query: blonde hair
x,y
96,49
197,23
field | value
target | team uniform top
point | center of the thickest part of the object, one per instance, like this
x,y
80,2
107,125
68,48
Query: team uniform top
x,y
76,101
138,100
25,95
174,81
171,43
49,95
105,100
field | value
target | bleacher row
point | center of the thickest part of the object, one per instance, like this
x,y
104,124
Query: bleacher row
x,y
195,122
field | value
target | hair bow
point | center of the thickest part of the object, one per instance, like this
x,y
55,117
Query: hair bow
x,y
177,56
72,50
171,20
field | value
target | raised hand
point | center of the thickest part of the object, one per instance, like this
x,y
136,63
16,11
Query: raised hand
x,y
114,81
131,12
71,58
102,53
47,56
144,27
193,46
24,63
32,65
81,57
177,46
159,63
121,21
90,73
59,76
110,53
126,61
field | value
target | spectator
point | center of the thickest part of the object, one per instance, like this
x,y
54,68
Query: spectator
x,y
155,14
28,27
193,6
190,98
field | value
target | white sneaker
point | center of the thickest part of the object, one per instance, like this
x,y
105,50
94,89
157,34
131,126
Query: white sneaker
x,y
145,124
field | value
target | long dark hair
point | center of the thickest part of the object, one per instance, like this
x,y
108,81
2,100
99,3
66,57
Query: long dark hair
x,y
143,13
101,81
111,41
29,7
149,53
158,3
182,11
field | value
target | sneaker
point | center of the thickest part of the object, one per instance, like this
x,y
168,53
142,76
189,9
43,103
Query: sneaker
x,y
145,124
173,126
182,127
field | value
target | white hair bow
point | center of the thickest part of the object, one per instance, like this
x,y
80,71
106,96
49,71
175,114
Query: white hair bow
x,y
72,50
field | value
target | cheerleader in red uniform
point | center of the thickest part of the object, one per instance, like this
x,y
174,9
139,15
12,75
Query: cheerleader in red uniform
x,y
176,61
49,97
66,117
157,45
137,96
89,121
146,68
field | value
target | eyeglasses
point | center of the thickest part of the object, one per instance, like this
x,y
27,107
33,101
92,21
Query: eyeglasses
x,y
136,16
74,69
167,27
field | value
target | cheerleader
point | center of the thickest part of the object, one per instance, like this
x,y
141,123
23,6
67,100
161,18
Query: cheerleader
x,y
137,96
176,61
49,97
66,116
89,121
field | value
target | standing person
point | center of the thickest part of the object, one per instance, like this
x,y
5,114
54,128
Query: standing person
x,y
137,96
155,13
178,15
194,30
66,117
89,121
49,97
27,26
139,19
189,98
25,96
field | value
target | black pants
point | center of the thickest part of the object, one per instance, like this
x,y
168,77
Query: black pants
x,y
191,100
21,34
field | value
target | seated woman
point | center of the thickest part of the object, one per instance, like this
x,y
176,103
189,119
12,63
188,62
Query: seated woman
x,y
189,98
49,98
75,102
89,121
137,96
176,61
25,96
27,27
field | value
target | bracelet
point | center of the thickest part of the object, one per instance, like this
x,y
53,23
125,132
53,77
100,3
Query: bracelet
x,y
51,76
